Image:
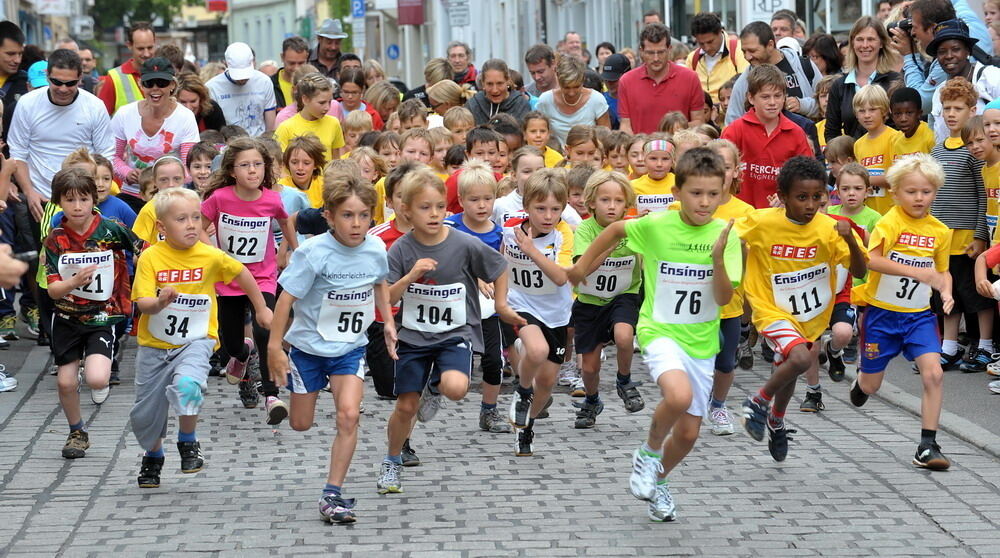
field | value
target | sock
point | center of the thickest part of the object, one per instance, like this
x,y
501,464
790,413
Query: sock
x,y
186,437
816,388
762,397
531,424
662,480
595,398
157,453
927,437
397,459
331,489
645,449
949,346
744,331
622,380
716,403
835,351
986,345
75,427
487,407
525,392
776,420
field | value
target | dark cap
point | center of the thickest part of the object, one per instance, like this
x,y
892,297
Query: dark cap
x,y
951,29
156,68
614,67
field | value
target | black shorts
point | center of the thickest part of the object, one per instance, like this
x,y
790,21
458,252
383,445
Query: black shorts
x,y
844,313
963,288
554,336
71,340
596,324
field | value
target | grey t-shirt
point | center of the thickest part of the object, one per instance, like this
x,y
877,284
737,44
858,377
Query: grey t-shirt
x,y
445,302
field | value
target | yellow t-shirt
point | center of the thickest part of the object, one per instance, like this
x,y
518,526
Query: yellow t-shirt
x,y
314,193
876,156
552,157
919,243
793,271
652,195
286,89
191,272
327,129
379,214
922,141
821,133
991,180
144,226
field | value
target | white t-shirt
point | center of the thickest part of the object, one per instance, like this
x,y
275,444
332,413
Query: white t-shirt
x,y
512,206
42,134
595,107
141,150
244,105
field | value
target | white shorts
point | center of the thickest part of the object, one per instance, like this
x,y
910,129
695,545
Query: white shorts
x,y
782,336
665,354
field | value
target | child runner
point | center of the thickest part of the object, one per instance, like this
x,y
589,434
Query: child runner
x,y
583,147
313,95
537,134
616,151
691,263
304,159
333,307
636,157
433,273
607,305
908,117
795,256
874,149
88,280
458,121
909,257
524,163
199,165
241,204
654,190
175,292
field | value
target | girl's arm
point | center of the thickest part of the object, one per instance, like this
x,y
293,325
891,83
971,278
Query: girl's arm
x,y
389,326
289,232
277,360
605,242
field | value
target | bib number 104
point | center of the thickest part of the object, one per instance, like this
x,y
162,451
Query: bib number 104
x,y
433,315
804,302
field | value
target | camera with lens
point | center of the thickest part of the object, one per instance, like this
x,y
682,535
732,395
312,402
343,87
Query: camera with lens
x,y
905,24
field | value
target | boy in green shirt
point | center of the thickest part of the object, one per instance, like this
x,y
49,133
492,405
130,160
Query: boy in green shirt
x,y
691,264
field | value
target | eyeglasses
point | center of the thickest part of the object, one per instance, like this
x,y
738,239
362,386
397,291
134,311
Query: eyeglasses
x,y
157,83
656,53
247,166
60,83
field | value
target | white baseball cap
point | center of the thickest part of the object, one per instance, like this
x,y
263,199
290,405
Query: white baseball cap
x,y
239,61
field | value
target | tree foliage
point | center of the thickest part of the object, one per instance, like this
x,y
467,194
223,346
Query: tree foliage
x,y
109,14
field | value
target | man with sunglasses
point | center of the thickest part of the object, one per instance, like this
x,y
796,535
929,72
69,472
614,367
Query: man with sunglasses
x,y
121,86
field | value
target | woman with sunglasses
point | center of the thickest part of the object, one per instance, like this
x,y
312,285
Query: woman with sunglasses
x,y
150,128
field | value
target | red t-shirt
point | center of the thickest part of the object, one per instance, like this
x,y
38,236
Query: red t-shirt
x,y
389,234
644,102
763,155
993,256
451,192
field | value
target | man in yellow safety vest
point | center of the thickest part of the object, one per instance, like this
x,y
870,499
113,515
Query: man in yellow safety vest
x,y
121,86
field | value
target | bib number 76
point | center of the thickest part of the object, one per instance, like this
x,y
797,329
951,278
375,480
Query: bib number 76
x,y
688,302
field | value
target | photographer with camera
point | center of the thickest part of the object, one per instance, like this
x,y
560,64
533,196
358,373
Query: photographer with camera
x,y
952,49
911,35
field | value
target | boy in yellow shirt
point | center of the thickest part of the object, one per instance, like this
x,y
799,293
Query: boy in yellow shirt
x,y
907,115
874,149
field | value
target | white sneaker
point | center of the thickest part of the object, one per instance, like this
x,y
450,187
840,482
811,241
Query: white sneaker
x,y
993,368
645,472
994,386
576,387
567,373
661,507
430,404
6,382
99,396
722,421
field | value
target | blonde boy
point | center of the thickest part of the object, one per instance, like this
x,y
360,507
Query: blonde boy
x,y
458,121
356,124
874,149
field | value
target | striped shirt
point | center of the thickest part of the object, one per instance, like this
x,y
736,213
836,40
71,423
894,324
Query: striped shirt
x,y
961,201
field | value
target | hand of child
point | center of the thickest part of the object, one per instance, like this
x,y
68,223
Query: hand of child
x,y
947,303
576,275
975,248
524,238
719,249
166,296
486,289
264,317
508,315
422,266
774,201
391,340
985,288
843,228
84,276
277,365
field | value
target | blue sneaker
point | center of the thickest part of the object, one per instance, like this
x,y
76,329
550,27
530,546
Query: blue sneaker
x,y
754,418
976,361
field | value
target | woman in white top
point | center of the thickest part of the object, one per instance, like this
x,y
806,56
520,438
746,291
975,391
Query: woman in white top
x,y
572,103
152,127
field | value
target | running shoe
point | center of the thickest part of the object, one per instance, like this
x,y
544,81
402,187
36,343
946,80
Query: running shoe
x,y
29,315
388,479
519,408
149,473
630,396
77,445
950,362
976,361
858,397
236,370
993,368
994,386
276,410
721,421
661,506
334,509
777,442
835,363
6,382
492,420
586,417
929,456
99,396
522,446
754,418
766,352
813,402
408,456
249,395
851,351
192,460
744,355
115,379
567,372
8,324
646,470
576,388
430,404
544,413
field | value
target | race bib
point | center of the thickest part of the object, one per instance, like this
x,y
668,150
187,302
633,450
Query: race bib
x,y
434,308
243,238
101,283
346,314
183,321
611,279
905,292
804,294
991,222
684,294
876,191
652,203
486,307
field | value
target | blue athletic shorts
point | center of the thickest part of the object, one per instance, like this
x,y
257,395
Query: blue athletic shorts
x,y
884,334
311,373
418,365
